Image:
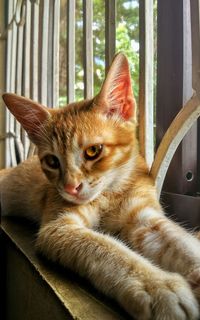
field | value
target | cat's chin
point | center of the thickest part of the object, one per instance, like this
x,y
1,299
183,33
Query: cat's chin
x,y
79,200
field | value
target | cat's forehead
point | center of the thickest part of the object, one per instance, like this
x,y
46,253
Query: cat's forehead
x,y
80,128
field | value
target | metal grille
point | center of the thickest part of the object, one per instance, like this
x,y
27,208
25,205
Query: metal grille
x,y
32,62
32,70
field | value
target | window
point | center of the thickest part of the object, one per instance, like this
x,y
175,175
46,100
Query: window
x,y
58,51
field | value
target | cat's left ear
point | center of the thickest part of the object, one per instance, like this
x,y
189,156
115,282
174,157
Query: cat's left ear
x,y
116,95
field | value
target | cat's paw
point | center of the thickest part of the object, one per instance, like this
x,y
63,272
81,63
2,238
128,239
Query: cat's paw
x,y
167,298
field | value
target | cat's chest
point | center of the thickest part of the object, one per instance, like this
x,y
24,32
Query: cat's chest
x,y
114,211
110,210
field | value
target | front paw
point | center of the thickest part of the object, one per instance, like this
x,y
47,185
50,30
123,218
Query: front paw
x,y
162,298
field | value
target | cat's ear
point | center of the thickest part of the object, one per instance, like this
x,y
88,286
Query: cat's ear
x,y
30,114
116,95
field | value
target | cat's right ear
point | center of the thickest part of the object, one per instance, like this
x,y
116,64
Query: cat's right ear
x,y
30,114
116,95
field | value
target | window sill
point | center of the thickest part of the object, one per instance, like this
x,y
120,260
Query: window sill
x,y
37,289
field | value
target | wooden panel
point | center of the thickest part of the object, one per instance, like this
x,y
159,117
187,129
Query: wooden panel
x,y
88,48
172,138
179,206
146,103
195,27
174,68
110,31
70,50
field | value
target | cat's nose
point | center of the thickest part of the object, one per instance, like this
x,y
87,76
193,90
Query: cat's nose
x,y
73,189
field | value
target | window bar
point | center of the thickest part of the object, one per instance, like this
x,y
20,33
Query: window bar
x,y
8,161
34,49
110,31
20,31
34,60
71,50
12,85
50,56
26,69
44,50
88,48
34,36
55,64
146,114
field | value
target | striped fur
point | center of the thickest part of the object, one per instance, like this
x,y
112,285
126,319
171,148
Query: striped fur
x,y
114,231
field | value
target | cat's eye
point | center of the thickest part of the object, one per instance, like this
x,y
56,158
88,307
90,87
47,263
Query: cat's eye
x,y
52,161
93,152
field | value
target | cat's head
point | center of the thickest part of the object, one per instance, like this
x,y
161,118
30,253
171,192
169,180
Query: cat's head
x,y
88,147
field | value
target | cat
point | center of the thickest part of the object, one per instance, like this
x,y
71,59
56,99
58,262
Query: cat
x,y
96,204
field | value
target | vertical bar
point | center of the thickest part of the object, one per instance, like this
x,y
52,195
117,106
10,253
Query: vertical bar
x,y
26,69
70,50
34,61
88,48
170,80
55,66
110,31
34,50
146,112
8,72
2,86
44,18
189,144
53,53
26,60
195,32
195,28
18,89
12,86
50,56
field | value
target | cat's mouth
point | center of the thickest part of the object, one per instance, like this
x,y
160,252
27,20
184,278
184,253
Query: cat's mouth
x,y
76,199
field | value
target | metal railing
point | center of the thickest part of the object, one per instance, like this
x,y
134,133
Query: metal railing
x,y
32,64
32,67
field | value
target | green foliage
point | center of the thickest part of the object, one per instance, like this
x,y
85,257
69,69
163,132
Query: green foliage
x,y
127,34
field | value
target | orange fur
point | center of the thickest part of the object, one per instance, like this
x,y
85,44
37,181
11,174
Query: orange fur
x,y
111,195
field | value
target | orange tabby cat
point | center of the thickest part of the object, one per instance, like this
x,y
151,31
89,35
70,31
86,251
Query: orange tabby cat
x,y
88,184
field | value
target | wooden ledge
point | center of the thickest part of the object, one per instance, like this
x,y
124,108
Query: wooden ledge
x,y
37,289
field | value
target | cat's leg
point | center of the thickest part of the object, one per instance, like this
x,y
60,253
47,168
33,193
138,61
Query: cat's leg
x,y
147,230
142,289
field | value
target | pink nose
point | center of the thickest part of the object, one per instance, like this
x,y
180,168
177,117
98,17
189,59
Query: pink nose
x,y
73,190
